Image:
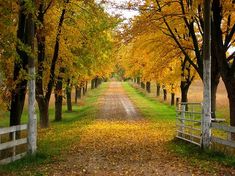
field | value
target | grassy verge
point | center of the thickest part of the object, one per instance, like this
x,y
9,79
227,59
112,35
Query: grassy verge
x,y
52,141
159,112
201,158
148,106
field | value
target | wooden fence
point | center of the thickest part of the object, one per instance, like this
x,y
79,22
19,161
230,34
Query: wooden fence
x,y
188,122
226,140
11,143
189,128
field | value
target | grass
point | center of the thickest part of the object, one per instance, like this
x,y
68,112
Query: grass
x,y
156,111
148,106
52,141
195,154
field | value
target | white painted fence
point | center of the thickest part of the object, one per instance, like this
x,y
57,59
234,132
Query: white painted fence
x,y
188,122
189,126
13,143
220,140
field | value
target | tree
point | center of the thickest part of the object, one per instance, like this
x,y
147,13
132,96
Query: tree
x,y
25,39
44,98
223,30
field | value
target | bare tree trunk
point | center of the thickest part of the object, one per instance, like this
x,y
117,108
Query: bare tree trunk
x,y
92,83
158,89
214,86
229,82
96,82
79,92
58,104
172,99
76,95
164,94
142,85
148,87
69,97
184,86
138,80
43,112
84,90
86,86
59,96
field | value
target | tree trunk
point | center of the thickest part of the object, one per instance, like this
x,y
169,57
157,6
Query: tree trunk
x,y
86,86
177,101
229,82
96,82
138,80
84,90
18,95
69,97
214,86
92,83
76,95
164,94
17,103
43,99
148,87
43,112
59,97
142,85
232,113
184,87
172,99
58,106
79,93
158,89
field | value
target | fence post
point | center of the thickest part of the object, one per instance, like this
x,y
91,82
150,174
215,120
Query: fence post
x,y
32,135
32,118
206,120
183,108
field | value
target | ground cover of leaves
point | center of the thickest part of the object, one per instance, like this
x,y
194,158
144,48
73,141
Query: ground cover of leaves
x,y
127,146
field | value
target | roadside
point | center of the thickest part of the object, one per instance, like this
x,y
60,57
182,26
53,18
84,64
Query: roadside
x,y
57,140
135,137
209,161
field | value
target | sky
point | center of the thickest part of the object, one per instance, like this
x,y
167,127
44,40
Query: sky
x,y
126,14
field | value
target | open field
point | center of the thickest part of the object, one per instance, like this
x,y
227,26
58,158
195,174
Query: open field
x,y
195,94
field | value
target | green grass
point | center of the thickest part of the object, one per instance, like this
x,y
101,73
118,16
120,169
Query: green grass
x,y
148,106
199,156
61,135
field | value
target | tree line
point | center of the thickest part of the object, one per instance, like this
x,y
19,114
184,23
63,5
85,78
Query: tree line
x,y
71,43
165,45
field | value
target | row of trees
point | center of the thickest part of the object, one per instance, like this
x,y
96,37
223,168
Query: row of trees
x,y
165,45
70,41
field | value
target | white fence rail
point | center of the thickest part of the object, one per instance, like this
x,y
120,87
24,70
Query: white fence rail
x,y
188,122
13,143
220,140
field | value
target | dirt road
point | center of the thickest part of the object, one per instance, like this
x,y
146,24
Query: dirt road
x,y
120,142
115,105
